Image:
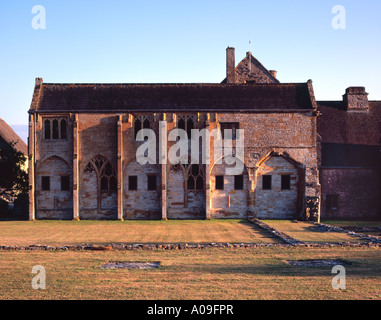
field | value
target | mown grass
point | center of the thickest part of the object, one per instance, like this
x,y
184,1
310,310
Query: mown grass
x,y
230,273
104,232
306,232
353,223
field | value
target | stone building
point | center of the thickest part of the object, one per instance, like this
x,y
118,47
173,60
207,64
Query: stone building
x,y
82,149
349,133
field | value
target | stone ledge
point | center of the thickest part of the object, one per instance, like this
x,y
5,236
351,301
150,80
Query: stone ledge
x,y
328,228
185,246
281,235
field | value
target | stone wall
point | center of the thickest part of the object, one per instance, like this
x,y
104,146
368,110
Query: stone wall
x,y
53,203
228,203
277,203
141,203
53,158
275,143
357,190
97,137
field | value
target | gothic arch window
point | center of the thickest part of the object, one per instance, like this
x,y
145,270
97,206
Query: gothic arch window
x,y
63,129
108,179
55,129
189,126
141,122
181,124
195,178
186,123
47,129
106,175
146,124
138,126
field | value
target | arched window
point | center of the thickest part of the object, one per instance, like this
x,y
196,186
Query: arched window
x,y
106,174
146,124
104,184
113,184
195,180
138,126
108,178
47,129
63,129
199,183
181,124
186,123
189,127
55,129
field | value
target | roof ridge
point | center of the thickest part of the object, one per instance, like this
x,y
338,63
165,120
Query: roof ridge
x,y
9,136
173,84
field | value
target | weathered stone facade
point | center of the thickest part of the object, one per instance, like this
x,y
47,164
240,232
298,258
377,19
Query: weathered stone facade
x,y
97,145
350,136
82,149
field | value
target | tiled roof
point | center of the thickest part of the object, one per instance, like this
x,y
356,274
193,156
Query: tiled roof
x,y
336,125
349,155
8,135
171,97
349,139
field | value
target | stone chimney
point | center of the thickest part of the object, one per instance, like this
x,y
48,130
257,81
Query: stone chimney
x,y
356,99
273,73
38,81
230,65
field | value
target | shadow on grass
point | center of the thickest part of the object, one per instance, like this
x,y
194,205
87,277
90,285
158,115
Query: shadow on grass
x,y
355,269
262,232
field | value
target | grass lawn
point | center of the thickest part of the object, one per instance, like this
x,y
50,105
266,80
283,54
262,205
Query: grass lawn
x,y
104,232
353,223
230,273
304,231
356,223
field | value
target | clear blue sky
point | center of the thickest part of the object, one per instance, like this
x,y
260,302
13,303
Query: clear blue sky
x,y
185,41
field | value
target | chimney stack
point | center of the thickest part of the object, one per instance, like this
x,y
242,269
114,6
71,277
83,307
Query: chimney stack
x,y
273,73
356,99
38,82
230,65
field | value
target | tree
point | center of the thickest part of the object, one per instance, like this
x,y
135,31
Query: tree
x,y
13,178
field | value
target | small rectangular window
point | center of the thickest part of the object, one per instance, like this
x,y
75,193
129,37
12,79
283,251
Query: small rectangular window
x,y
45,183
286,182
219,182
152,182
133,183
238,182
332,201
266,182
65,183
